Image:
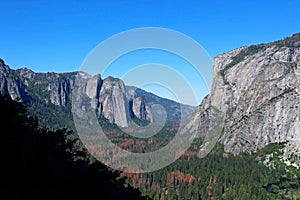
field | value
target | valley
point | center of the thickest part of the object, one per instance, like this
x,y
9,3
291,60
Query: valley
x,y
255,154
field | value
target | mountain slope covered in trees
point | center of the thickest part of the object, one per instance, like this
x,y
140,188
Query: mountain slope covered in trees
x,y
42,164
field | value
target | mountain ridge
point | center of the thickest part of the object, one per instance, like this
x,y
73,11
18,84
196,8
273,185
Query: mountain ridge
x,y
107,95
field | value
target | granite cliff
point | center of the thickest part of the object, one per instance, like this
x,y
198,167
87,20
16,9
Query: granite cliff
x,y
256,88
109,97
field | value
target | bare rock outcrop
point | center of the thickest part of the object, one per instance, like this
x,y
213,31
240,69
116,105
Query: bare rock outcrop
x,y
257,90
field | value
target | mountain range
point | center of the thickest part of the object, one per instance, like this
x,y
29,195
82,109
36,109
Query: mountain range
x,y
110,98
255,89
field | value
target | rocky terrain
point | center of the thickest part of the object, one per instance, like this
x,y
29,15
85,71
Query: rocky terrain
x,y
109,97
256,88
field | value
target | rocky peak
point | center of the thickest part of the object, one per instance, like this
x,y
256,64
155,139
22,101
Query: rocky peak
x,y
26,73
3,66
113,102
107,96
11,85
256,88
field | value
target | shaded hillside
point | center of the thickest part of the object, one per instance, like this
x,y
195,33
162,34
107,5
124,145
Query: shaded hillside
x,y
42,164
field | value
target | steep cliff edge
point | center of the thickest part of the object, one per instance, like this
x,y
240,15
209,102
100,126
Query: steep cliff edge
x,y
10,84
257,90
109,97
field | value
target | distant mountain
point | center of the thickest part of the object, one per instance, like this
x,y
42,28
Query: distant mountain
x,y
49,96
256,89
174,110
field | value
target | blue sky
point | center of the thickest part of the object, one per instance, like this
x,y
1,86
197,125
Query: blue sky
x,y
58,35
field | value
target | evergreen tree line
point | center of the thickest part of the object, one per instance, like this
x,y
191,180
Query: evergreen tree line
x,y
222,175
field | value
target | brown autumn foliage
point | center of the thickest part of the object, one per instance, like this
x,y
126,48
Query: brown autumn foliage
x,y
189,154
177,177
225,155
126,144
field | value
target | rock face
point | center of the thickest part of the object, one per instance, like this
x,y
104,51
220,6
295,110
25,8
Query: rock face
x,y
10,84
257,90
141,109
175,111
109,97
93,87
113,102
263,108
